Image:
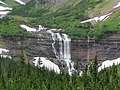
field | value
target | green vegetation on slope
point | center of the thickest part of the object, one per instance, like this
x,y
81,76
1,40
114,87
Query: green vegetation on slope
x,y
10,27
67,17
11,3
110,25
18,76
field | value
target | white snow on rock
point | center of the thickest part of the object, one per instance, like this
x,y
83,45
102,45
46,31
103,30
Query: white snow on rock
x,y
109,63
5,8
4,12
2,50
80,73
41,28
20,2
44,62
99,18
3,3
28,29
2,53
116,6
6,56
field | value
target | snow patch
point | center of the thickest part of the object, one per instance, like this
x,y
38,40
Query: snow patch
x,y
116,6
44,62
20,2
3,3
28,29
109,63
99,18
5,8
4,12
6,56
41,28
2,50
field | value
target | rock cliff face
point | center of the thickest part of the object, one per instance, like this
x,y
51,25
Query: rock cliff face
x,y
82,50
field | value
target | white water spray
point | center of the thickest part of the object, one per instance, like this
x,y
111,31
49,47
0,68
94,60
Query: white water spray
x,y
64,52
67,53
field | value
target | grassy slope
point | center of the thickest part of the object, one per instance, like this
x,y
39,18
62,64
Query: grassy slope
x,y
66,16
10,3
102,8
110,25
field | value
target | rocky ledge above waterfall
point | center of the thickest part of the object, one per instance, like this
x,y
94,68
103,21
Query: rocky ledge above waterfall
x,y
51,44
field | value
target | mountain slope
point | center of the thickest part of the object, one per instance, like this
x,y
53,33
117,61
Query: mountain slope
x,y
66,14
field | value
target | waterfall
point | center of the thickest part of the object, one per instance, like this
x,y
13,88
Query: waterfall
x,y
60,45
53,44
67,53
63,52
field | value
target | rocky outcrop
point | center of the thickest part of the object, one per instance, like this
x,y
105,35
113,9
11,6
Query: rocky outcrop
x,y
82,50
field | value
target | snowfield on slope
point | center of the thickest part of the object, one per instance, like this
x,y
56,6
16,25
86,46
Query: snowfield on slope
x,y
20,2
5,8
29,29
109,63
103,17
2,53
118,5
99,18
3,50
44,62
3,3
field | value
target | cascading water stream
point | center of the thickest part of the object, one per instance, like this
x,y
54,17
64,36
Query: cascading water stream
x,y
60,46
64,52
53,44
63,46
67,53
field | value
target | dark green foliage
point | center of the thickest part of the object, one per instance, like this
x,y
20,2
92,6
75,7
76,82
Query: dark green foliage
x,y
18,76
66,17
10,27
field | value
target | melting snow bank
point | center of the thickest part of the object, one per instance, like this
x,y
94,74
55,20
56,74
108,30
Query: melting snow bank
x,y
99,18
118,5
109,63
4,10
29,29
44,62
6,56
106,64
3,3
2,53
103,17
2,50
20,2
